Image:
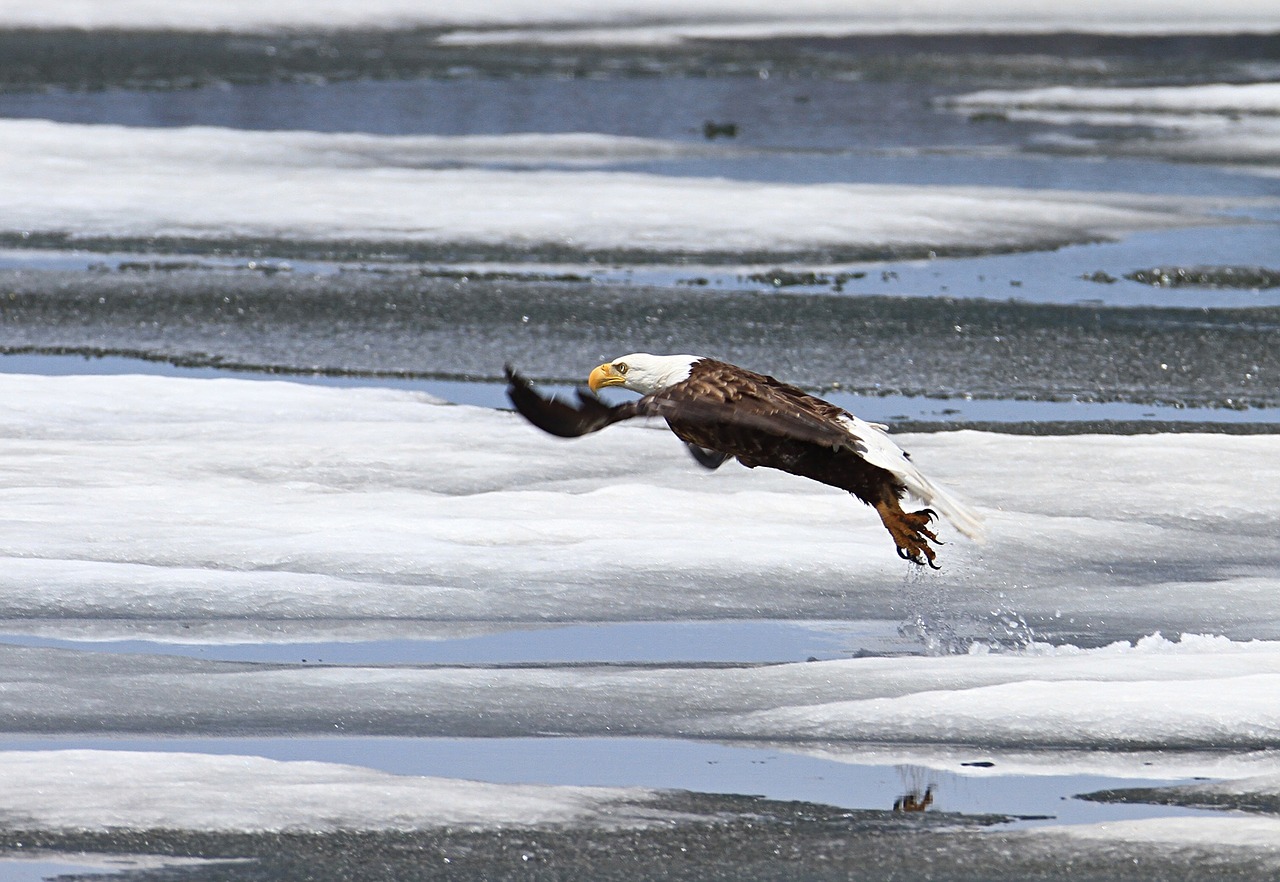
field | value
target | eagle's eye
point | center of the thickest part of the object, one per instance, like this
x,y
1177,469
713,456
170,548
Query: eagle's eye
x,y
621,367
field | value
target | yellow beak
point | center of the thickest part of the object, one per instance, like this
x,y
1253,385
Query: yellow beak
x,y
604,375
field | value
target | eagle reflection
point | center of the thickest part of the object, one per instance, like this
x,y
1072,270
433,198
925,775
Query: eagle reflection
x,y
914,801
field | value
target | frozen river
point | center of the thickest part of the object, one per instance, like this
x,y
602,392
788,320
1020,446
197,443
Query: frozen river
x,y
285,592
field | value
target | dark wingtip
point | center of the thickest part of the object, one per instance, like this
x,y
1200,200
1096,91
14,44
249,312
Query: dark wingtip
x,y
553,415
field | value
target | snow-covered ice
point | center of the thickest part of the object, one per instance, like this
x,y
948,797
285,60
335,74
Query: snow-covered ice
x,y
118,181
1250,793
1221,122
113,790
175,507
180,509
1121,695
205,512
217,510
654,20
1266,786
1220,98
1251,832
1197,695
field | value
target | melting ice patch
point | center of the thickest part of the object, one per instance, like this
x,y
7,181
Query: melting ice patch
x,y
96,790
218,510
169,506
126,182
1237,123
228,509
654,20
1254,833
1222,98
1196,695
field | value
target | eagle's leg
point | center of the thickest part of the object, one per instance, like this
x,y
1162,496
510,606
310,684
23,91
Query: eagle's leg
x,y
910,531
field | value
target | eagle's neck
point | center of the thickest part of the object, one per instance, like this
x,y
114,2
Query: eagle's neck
x,y
652,373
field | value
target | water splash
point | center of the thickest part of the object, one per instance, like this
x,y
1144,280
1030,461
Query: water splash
x,y
929,622
941,628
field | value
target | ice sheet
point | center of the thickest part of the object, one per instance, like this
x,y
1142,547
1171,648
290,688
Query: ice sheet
x,y
1267,785
1196,695
1128,699
661,19
202,182
1261,834
178,506
1218,98
1224,122
112,790
222,509
186,508
982,762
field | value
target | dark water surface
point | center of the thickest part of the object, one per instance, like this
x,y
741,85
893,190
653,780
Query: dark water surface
x,y
416,327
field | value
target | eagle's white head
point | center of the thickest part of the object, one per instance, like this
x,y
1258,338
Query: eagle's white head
x,y
642,372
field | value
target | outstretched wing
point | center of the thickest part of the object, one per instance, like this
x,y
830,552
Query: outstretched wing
x,y
561,418
591,414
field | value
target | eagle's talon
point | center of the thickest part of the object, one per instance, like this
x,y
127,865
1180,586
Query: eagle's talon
x,y
911,533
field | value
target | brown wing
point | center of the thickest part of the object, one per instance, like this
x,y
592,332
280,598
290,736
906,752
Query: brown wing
x,y
700,403
745,399
711,378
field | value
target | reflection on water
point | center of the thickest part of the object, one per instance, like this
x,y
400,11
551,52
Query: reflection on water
x,y
918,783
914,801
789,772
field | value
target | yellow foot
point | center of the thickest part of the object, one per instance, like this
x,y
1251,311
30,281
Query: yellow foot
x,y
910,532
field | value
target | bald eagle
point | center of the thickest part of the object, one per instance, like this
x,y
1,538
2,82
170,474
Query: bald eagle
x,y
722,411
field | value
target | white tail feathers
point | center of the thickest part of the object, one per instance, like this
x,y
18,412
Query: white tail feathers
x,y
961,516
876,447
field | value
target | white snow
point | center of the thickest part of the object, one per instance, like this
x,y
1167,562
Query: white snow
x,y
1229,123
1199,697
118,181
215,509
1221,98
233,509
100,790
1235,831
183,509
1087,702
173,507
651,20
